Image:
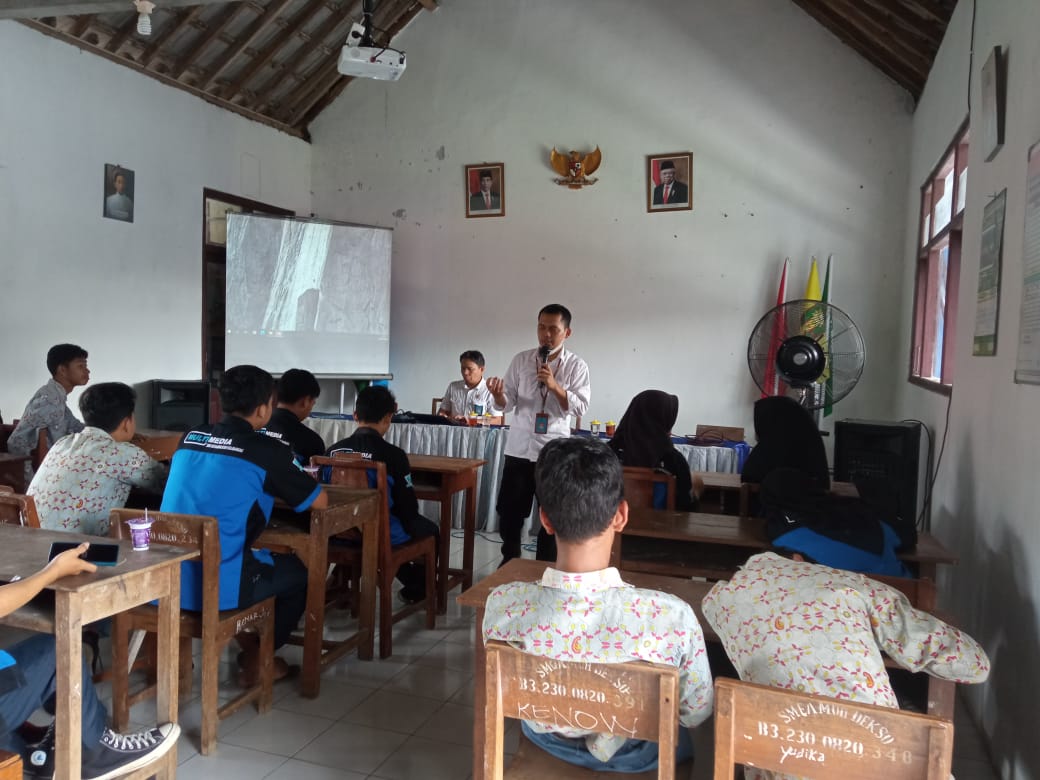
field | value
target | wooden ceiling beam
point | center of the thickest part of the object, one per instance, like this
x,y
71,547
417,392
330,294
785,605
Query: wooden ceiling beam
x,y
855,39
299,21
216,27
288,67
274,7
168,32
909,23
883,36
429,5
265,120
320,79
122,34
926,8
36,9
81,25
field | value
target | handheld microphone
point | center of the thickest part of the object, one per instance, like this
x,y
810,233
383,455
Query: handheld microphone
x,y
543,356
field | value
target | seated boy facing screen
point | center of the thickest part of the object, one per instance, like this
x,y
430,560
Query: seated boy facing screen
x,y
91,472
583,611
28,682
233,472
47,409
298,391
470,394
374,409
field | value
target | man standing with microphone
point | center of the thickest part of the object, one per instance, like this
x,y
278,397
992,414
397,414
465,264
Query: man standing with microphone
x,y
541,387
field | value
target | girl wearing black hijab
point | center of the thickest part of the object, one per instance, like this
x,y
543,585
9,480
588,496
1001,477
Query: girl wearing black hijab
x,y
644,439
787,437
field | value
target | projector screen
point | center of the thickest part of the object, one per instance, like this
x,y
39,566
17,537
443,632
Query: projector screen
x,y
308,294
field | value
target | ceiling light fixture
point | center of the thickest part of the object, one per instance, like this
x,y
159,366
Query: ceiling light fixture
x,y
144,16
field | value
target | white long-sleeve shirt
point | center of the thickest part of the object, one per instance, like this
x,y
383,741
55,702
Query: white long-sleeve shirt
x,y
524,399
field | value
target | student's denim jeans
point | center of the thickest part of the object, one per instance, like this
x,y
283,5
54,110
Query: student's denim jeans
x,y
636,755
36,662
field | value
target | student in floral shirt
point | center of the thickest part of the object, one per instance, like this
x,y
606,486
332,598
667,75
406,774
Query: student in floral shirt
x,y
91,472
581,610
810,628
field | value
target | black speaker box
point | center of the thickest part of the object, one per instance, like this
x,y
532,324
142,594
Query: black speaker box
x,y
884,459
178,405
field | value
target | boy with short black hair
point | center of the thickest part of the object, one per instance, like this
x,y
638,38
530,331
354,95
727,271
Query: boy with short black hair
x,y
581,610
374,410
48,409
298,391
69,501
469,394
28,681
234,472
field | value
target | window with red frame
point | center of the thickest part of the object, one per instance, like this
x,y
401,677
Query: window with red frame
x,y
938,268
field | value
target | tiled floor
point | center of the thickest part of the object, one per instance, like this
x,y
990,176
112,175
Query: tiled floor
x,y
410,716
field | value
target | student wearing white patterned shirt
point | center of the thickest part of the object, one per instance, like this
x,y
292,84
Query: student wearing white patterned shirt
x,y
47,409
86,475
469,393
581,610
542,394
798,625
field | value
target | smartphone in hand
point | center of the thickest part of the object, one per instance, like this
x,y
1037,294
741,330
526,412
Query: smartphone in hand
x,y
98,553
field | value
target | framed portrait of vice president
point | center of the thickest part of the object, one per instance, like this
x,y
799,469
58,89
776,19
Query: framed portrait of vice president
x,y
669,182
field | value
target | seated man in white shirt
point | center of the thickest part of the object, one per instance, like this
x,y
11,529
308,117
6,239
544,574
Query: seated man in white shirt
x,y
89,473
470,394
583,611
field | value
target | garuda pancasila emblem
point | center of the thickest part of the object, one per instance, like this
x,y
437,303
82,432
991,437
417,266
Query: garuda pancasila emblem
x,y
574,169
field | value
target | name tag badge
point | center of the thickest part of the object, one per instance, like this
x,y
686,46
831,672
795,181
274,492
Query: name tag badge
x,y
541,423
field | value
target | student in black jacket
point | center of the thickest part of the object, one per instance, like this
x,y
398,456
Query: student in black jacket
x,y
298,391
373,410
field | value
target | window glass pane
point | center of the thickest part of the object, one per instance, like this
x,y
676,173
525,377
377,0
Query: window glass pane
x,y
939,291
944,205
216,220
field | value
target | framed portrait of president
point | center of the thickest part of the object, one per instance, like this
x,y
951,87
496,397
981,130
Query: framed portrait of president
x,y
486,190
669,182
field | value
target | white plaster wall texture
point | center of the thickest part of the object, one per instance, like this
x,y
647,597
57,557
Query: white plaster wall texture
x,y
986,492
799,148
128,293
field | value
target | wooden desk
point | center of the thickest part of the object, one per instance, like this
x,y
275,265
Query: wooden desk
x,y
729,483
438,478
348,508
12,471
160,445
139,578
742,537
940,692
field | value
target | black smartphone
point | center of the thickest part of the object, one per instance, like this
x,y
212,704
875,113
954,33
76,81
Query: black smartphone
x,y
99,552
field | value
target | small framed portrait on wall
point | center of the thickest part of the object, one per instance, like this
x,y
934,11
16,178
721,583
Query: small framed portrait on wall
x,y
486,190
118,194
669,182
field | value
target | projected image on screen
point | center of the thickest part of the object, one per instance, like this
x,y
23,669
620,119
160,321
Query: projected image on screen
x,y
304,294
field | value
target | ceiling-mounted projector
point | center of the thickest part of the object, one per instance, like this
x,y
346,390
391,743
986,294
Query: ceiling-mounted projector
x,y
369,62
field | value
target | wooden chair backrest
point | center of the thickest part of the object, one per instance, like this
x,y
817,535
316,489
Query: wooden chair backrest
x,y
6,429
435,405
636,700
640,485
816,737
16,509
920,592
720,433
38,453
194,532
351,469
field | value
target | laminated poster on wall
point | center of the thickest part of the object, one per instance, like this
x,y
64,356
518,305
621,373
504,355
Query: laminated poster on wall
x,y
1027,367
987,311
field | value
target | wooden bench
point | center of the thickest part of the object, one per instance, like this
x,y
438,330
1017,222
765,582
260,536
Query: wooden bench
x,y
634,700
816,737
16,509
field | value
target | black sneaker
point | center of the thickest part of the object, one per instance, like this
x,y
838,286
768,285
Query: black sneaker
x,y
119,754
39,761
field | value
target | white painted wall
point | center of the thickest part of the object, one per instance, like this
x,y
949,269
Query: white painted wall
x,y
128,293
800,148
986,493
